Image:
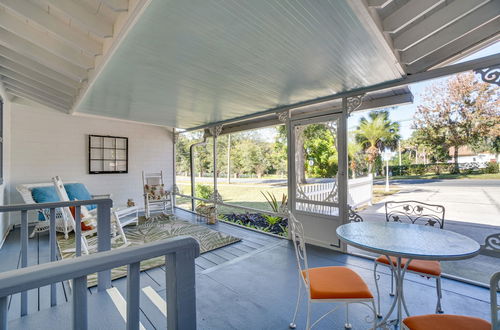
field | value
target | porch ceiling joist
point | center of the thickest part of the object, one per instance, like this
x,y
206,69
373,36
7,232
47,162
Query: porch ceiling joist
x,y
484,35
34,95
41,55
41,78
46,41
40,99
76,38
408,13
23,62
117,5
436,22
41,90
51,48
378,3
61,90
77,11
460,28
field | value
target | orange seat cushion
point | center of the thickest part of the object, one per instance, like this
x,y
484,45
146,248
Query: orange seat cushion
x,y
446,322
337,283
430,267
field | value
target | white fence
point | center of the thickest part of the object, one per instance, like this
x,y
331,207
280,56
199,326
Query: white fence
x,y
360,191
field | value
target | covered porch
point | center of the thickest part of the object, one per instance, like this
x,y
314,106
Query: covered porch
x,y
100,92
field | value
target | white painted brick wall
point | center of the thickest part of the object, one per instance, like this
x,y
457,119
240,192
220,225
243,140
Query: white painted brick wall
x,y
46,143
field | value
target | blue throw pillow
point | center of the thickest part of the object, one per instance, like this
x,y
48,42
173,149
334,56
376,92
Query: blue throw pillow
x,y
44,195
78,191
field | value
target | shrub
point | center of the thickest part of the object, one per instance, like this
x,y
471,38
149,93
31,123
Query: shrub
x,y
418,169
204,191
491,168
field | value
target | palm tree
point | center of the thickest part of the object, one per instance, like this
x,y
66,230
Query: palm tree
x,y
375,133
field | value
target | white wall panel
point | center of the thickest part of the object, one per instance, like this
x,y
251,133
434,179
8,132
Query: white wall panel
x,y
46,143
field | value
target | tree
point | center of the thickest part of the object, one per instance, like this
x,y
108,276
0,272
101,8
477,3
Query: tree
x,y
461,111
375,133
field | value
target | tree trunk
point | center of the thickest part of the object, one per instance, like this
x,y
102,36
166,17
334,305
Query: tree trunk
x,y
455,159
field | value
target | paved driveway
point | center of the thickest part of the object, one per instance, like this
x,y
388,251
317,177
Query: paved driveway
x,y
472,201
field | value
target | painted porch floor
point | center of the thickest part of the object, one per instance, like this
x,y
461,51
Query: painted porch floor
x,y
251,284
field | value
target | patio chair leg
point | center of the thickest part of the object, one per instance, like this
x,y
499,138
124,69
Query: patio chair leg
x,y
439,310
308,322
377,277
293,325
347,325
375,315
392,284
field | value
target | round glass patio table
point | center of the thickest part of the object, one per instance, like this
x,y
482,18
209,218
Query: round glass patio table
x,y
400,240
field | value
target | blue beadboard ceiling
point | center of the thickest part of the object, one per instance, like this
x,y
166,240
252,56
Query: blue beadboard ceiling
x,y
189,63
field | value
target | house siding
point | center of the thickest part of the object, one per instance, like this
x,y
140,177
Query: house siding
x,y
5,224
46,143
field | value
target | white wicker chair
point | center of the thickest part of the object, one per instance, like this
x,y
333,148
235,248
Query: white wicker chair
x,y
62,225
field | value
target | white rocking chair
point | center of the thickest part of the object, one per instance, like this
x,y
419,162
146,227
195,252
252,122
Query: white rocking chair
x,y
116,227
155,194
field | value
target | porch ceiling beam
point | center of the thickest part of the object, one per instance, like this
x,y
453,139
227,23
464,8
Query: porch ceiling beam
x,y
378,3
24,62
11,65
48,93
34,97
62,31
374,26
44,40
437,21
479,63
408,13
117,5
488,32
36,84
38,54
460,28
92,22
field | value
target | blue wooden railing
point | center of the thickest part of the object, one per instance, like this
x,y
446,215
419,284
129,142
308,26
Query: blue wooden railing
x,y
179,252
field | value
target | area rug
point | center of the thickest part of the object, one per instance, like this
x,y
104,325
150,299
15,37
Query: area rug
x,y
156,228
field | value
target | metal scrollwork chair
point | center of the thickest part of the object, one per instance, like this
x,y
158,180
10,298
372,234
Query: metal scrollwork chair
x,y
334,284
413,212
459,322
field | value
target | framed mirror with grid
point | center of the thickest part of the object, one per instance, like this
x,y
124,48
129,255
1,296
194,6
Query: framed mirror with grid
x,y
108,154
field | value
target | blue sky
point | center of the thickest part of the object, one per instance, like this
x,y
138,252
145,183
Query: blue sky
x,y
404,114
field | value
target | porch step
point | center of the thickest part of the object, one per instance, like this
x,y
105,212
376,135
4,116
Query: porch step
x,y
106,310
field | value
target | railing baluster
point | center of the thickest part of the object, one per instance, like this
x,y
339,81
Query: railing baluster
x,y
104,241
78,231
4,305
24,258
80,318
133,295
181,296
52,244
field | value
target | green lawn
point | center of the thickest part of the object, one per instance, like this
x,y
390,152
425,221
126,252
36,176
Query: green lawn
x,y
248,195
446,176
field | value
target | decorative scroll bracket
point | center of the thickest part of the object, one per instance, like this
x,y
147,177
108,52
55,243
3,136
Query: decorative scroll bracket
x,y
283,116
354,102
490,75
215,130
